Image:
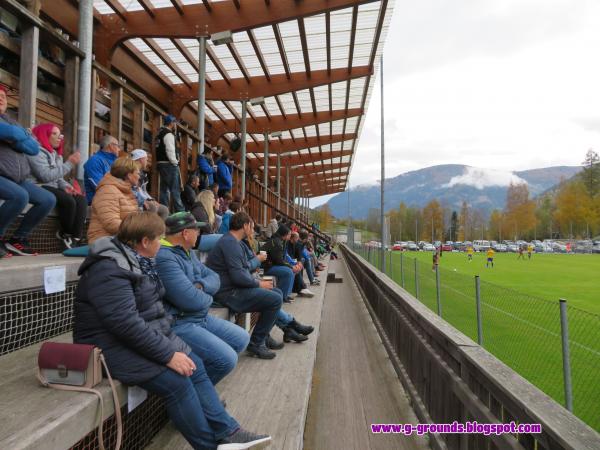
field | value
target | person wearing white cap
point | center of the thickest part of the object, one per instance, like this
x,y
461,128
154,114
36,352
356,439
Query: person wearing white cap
x,y
145,200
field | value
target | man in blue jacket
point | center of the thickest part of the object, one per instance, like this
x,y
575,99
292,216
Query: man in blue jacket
x,y
206,169
190,286
224,174
240,291
99,165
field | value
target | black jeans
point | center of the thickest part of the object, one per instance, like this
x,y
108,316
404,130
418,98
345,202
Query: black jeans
x,y
266,302
72,211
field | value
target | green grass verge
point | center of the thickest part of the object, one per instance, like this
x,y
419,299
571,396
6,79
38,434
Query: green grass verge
x,y
520,314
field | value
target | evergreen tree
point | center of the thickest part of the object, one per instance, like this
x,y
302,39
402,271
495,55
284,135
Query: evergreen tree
x,y
591,172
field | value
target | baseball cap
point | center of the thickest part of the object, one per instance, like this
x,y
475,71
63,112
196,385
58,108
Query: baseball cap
x,y
138,153
169,119
181,221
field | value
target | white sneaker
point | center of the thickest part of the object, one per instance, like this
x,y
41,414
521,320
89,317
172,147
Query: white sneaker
x,y
306,293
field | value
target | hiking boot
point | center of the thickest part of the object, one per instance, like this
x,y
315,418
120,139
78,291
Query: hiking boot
x,y
272,344
4,253
307,293
289,335
260,351
302,329
20,247
243,439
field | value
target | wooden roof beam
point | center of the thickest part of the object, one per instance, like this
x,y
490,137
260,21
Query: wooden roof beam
x,y
199,20
291,145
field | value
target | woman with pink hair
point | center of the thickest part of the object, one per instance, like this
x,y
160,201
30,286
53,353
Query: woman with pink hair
x,y
48,170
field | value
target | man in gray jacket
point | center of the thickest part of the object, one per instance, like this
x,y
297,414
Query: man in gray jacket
x,y
15,189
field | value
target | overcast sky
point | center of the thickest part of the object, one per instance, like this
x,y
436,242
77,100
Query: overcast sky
x,y
498,84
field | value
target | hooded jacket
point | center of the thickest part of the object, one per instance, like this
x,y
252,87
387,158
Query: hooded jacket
x,y
94,170
224,171
15,145
180,271
119,309
49,169
114,200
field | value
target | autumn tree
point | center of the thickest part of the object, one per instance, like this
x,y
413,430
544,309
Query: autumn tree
x,y
495,225
575,212
433,220
519,211
464,223
544,215
324,217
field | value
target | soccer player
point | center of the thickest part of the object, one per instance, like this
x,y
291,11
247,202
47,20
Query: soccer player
x,y
470,253
490,257
436,260
529,250
521,253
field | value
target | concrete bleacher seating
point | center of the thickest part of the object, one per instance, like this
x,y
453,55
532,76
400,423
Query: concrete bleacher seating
x,y
35,417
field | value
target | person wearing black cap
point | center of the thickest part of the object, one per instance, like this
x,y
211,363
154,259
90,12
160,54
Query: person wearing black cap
x,y
190,287
167,158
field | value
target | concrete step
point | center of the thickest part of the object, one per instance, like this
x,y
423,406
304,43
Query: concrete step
x,y
270,396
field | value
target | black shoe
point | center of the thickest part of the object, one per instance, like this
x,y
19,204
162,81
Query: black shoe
x,y
4,253
243,439
272,344
302,329
65,238
20,247
261,351
288,300
289,334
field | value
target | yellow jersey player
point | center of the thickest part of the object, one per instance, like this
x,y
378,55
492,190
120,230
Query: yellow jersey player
x,y
490,257
470,253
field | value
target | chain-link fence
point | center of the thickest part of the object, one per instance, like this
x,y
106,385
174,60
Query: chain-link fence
x,y
561,357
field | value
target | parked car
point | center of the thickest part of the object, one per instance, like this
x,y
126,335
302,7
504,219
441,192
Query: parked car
x,y
458,246
430,247
410,245
513,248
447,247
481,245
500,248
397,247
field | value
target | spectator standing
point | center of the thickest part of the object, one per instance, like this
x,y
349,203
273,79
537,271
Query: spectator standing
x,y
240,291
145,200
190,192
114,199
49,170
190,286
167,158
99,165
16,144
207,169
224,174
118,308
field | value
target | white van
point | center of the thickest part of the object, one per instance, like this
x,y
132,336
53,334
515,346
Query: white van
x,y
481,246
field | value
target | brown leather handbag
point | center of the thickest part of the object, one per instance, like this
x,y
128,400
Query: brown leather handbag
x,y
78,367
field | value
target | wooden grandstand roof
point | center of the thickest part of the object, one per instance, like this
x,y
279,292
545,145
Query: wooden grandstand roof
x,y
312,60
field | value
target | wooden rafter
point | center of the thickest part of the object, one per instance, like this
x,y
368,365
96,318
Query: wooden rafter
x,y
167,60
148,7
279,40
178,6
239,61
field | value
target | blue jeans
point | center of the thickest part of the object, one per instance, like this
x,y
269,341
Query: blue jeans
x,y
193,405
216,341
16,196
283,319
285,278
266,302
170,184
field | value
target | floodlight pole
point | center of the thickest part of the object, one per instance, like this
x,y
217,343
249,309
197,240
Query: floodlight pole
x,y
383,236
201,92
266,178
243,156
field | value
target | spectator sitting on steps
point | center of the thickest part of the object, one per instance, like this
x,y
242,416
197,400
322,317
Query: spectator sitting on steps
x,y
118,308
190,191
15,188
114,199
190,286
145,200
49,170
99,165
240,291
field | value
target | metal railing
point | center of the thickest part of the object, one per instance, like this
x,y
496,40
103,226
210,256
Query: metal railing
x,y
448,376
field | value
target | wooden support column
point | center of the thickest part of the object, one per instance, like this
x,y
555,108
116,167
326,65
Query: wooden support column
x,y
139,109
71,104
156,124
116,112
28,75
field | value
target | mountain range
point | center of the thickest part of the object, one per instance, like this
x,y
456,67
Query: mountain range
x,y
451,184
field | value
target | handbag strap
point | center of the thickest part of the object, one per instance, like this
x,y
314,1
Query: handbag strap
x,y
117,406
